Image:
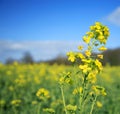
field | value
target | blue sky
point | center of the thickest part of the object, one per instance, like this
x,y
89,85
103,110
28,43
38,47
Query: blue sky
x,y
47,28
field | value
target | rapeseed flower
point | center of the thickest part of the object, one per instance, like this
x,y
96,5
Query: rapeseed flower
x,y
71,108
80,47
102,48
43,94
90,34
100,56
99,104
49,110
86,39
87,53
92,77
77,90
85,68
16,102
98,64
81,56
71,56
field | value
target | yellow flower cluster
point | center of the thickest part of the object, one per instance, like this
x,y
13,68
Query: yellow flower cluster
x,y
77,90
98,90
43,94
102,48
16,102
71,108
92,76
65,78
71,56
90,65
99,104
99,32
49,110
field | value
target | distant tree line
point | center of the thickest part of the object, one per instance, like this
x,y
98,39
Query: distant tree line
x,y
111,57
27,59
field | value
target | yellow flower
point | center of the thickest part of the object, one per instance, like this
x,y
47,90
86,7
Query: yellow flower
x,y
98,64
99,90
75,91
61,80
106,31
71,108
42,93
80,55
100,56
87,53
16,102
49,110
102,48
80,89
86,39
101,38
84,68
92,77
98,27
103,92
80,47
94,88
92,28
99,104
90,34
71,56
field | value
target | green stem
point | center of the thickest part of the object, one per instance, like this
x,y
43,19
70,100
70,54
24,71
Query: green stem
x,y
63,98
15,111
82,95
93,105
39,107
80,104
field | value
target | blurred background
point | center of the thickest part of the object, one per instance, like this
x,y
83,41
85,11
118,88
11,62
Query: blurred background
x,y
44,30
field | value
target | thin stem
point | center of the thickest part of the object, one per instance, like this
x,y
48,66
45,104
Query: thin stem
x,y
93,105
14,109
39,107
63,98
82,95
80,104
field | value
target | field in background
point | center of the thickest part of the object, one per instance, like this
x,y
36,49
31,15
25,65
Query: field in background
x,y
21,82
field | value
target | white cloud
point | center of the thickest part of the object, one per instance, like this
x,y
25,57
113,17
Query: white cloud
x,y
114,17
41,50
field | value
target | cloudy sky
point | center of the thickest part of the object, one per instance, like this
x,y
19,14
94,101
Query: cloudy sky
x,y
47,28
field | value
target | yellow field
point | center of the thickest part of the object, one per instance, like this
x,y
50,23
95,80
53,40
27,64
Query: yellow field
x,y
19,85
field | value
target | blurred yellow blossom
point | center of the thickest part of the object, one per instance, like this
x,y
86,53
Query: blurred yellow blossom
x,y
16,102
43,94
99,104
102,48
